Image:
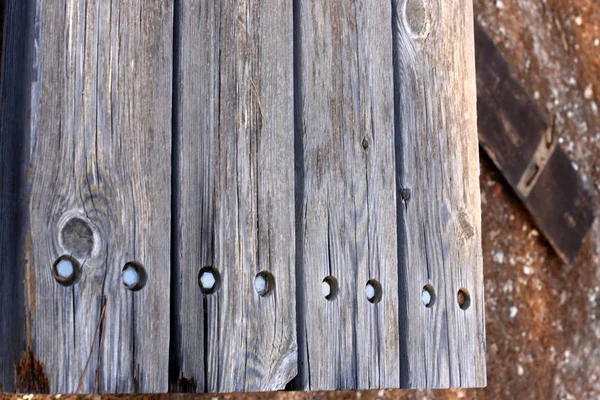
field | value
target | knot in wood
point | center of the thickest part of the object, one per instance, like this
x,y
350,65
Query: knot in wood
x,y
77,238
416,16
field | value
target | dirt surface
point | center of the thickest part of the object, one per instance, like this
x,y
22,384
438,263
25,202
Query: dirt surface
x,y
542,317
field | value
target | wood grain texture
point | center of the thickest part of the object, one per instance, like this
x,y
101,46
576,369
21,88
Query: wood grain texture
x,y
100,153
439,227
311,139
346,195
522,143
15,93
236,194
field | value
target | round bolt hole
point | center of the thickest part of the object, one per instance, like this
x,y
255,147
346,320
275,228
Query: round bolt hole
x,y
134,276
264,283
329,287
209,280
463,298
373,291
428,296
66,270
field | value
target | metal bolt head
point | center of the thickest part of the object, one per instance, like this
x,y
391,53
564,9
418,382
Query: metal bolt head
x,y
208,280
260,283
373,291
325,289
134,276
65,269
264,283
130,277
426,297
370,291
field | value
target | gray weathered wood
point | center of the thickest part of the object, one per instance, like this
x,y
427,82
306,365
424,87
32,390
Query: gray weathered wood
x,y
100,153
385,187
437,159
14,129
346,191
235,194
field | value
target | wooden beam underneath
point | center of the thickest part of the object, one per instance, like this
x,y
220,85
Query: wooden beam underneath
x,y
521,142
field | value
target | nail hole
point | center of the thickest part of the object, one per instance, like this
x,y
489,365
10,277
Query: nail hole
x,y
373,291
78,238
428,296
463,298
66,270
264,283
134,276
329,288
209,280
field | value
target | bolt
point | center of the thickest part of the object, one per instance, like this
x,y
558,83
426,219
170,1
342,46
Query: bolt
x,y
260,283
64,268
370,291
130,277
426,297
325,289
208,280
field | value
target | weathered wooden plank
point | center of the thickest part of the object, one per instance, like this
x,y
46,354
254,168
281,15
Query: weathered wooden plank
x,y
440,224
236,194
521,142
346,193
100,192
15,90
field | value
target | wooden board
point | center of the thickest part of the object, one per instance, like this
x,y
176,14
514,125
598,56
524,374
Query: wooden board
x,y
346,193
235,207
522,143
14,129
314,142
100,192
439,221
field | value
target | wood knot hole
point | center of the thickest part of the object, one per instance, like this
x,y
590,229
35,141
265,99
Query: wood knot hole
x,y
373,291
66,270
463,298
405,193
134,276
365,143
329,287
416,17
428,296
209,280
264,283
78,238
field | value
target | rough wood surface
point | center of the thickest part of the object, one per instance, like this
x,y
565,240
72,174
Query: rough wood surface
x,y
310,140
100,191
346,194
236,194
439,227
516,135
14,129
